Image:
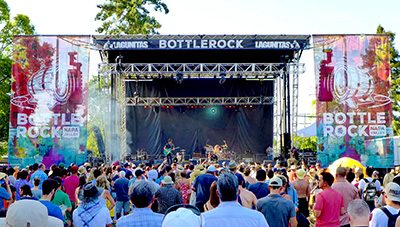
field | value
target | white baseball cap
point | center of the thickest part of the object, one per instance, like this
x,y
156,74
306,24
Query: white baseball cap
x,y
182,217
33,212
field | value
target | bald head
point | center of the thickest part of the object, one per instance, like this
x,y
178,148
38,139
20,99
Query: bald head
x,y
341,172
358,212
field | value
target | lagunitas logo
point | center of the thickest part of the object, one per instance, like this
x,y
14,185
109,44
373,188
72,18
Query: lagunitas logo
x,y
126,44
277,45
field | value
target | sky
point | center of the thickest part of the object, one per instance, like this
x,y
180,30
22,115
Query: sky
x,y
54,17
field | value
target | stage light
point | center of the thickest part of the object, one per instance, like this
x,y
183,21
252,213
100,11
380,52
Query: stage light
x,y
212,110
163,107
245,106
209,106
226,106
145,107
251,106
151,107
195,107
179,78
204,107
222,80
188,107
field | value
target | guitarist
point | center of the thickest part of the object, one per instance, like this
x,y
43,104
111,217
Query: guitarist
x,y
168,148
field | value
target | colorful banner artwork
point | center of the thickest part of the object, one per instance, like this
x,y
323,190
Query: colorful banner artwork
x,y
48,119
354,106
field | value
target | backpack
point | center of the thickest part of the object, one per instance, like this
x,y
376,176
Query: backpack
x,y
370,192
391,217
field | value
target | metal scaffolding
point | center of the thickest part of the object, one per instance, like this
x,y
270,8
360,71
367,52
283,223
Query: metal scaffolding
x,y
114,77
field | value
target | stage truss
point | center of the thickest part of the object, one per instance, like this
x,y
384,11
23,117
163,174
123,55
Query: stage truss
x,y
114,76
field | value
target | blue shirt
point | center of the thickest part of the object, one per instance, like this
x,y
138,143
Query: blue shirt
x,y
53,210
41,175
202,184
18,185
4,195
141,217
259,189
131,181
293,193
276,209
121,189
232,214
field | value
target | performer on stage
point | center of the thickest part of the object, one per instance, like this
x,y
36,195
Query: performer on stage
x,y
168,148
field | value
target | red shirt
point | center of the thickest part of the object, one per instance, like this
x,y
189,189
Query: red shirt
x,y
70,185
329,202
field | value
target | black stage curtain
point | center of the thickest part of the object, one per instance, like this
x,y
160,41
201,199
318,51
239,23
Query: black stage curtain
x,y
243,128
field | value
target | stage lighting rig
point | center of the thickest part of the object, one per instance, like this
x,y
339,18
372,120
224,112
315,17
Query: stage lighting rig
x,y
223,79
179,78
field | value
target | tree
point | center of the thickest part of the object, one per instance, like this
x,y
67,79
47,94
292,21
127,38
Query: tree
x,y
129,17
395,78
19,25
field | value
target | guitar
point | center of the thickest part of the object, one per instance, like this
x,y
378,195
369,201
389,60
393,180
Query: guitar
x,y
168,151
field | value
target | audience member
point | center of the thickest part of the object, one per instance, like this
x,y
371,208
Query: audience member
x,y
260,189
358,213
167,195
91,213
202,185
121,189
39,173
383,216
302,187
329,204
49,188
364,182
23,179
249,200
229,212
213,202
348,191
142,197
277,210
37,193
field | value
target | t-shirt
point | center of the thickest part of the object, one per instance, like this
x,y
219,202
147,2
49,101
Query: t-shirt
x,y
276,209
379,218
202,184
3,195
349,193
53,210
259,189
70,185
101,219
329,202
121,189
61,198
37,193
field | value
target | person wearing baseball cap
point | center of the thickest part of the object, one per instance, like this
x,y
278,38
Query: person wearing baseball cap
x,y
392,198
202,185
277,210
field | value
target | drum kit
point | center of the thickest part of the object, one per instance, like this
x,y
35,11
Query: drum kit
x,y
218,152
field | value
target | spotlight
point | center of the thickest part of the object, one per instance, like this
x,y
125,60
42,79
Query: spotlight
x,y
179,78
136,94
222,80
212,110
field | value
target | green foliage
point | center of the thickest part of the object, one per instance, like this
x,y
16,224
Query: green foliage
x,y
129,17
306,142
395,78
19,25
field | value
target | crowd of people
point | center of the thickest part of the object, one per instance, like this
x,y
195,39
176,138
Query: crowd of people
x,y
205,194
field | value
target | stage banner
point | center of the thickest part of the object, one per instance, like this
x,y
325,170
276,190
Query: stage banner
x,y
49,95
354,106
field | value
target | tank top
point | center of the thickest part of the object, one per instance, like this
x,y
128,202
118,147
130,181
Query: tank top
x,y
103,201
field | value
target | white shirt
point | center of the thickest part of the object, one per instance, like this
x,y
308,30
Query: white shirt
x,y
232,214
362,184
102,218
379,218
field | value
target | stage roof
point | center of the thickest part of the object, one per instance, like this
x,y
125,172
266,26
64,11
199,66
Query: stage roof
x,y
201,48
